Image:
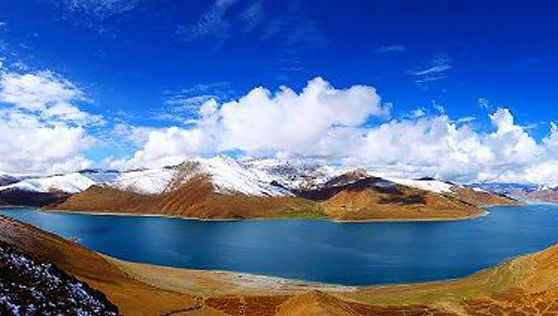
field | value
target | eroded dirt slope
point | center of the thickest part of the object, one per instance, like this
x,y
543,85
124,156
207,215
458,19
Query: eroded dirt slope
x,y
527,285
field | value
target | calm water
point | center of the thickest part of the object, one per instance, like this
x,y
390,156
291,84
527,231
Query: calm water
x,y
351,254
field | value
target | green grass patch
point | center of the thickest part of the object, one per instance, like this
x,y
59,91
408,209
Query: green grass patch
x,y
311,211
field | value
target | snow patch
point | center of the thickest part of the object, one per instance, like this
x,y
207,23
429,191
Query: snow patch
x,y
68,183
427,185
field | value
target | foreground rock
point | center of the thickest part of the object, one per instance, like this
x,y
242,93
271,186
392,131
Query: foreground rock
x,y
132,297
31,287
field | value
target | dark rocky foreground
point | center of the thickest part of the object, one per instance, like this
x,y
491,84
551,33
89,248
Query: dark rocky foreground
x,y
30,287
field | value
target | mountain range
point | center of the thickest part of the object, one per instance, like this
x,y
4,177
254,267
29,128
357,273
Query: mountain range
x,y
223,187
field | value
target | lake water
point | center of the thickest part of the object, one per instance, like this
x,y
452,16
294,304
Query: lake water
x,y
349,254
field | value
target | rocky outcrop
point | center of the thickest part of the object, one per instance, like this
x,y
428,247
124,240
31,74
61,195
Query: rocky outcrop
x,y
31,287
131,296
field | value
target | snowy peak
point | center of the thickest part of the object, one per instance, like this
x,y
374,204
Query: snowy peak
x,y
149,181
426,184
68,183
229,175
6,179
255,177
226,174
295,174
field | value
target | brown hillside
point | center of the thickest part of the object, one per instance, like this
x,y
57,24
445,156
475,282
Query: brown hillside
x,y
483,198
344,198
196,199
374,198
546,195
131,296
28,198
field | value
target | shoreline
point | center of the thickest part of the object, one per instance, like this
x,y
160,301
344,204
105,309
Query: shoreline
x,y
332,220
252,281
244,281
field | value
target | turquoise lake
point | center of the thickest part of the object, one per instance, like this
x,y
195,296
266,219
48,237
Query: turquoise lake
x,y
323,251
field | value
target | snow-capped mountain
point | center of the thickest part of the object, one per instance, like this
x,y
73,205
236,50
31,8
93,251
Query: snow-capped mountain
x,y
6,179
148,181
68,183
297,174
426,184
506,188
227,176
252,177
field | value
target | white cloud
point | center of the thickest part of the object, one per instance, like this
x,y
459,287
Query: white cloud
x,y
484,103
418,113
466,119
435,70
437,147
47,95
29,145
316,121
329,122
41,129
213,22
100,9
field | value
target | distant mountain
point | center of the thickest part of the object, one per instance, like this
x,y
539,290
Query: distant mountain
x,y
6,179
222,187
505,188
529,192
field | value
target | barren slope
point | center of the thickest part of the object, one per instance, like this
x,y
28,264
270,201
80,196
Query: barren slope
x,y
527,285
132,297
376,199
483,198
196,198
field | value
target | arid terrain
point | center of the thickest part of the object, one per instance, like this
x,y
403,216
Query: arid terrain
x,y
343,198
526,285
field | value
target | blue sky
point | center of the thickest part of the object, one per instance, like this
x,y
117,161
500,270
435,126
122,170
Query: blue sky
x,y
136,61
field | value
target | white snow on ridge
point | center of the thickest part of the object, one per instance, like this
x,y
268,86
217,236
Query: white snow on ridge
x,y
479,189
229,175
69,183
427,185
150,181
294,173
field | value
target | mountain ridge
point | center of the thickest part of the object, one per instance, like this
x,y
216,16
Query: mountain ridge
x,y
222,187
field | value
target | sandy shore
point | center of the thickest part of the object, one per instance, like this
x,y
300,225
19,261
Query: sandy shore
x,y
217,282
381,220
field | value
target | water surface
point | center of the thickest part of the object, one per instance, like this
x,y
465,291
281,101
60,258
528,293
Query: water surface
x,y
350,254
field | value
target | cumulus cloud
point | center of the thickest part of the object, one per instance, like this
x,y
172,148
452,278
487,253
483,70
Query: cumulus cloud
x,y
438,147
41,128
328,122
45,94
312,122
